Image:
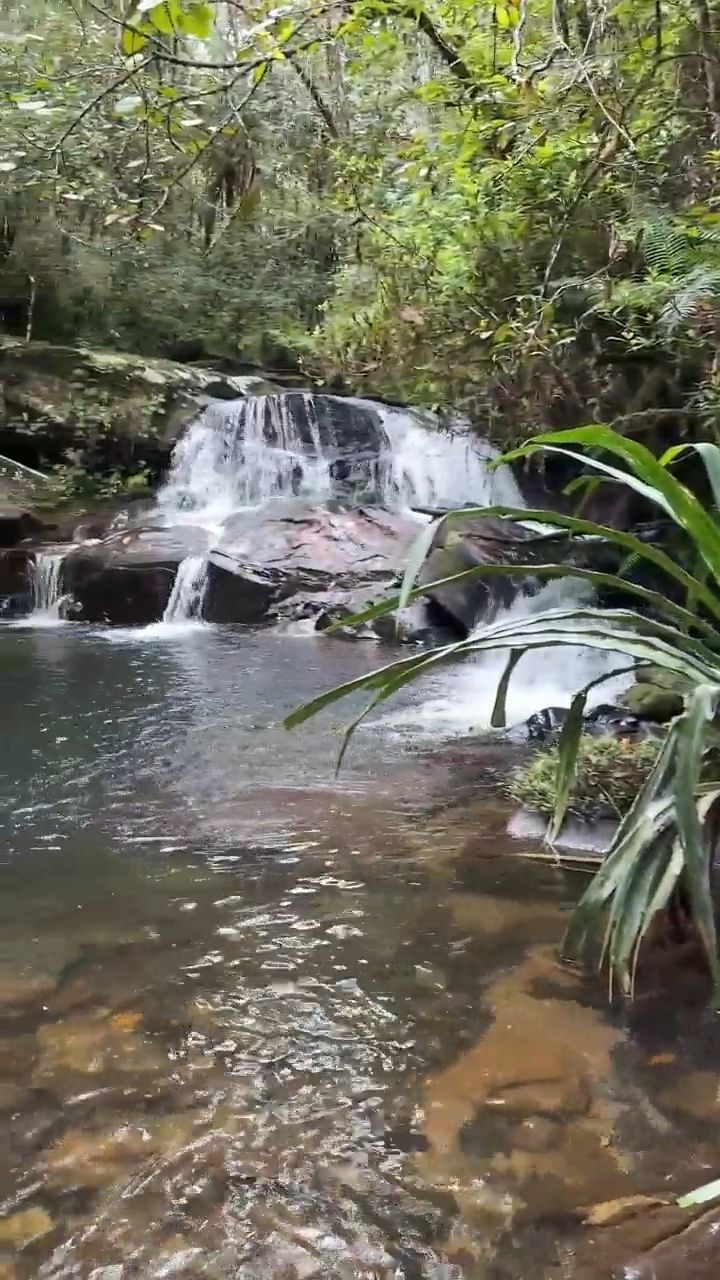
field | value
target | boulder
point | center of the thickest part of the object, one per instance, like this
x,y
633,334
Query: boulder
x,y
126,579
103,409
15,583
16,523
655,696
463,544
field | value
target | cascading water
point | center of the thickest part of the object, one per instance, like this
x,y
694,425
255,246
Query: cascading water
x,y
241,454
46,587
188,593
427,468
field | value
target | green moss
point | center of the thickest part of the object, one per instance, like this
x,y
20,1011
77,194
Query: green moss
x,y
610,772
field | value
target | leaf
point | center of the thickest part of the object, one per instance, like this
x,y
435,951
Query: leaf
x,y
701,1195
259,72
700,708
284,28
710,456
567,761
502,17
416,558
164,17
132,41
196,20
612,1212
498,717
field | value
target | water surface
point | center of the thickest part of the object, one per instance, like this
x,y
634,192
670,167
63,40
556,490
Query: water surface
x,y
259,1022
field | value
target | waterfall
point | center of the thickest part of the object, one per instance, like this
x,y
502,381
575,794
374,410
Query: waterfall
x,y
242,453
46,587
429,468
188,593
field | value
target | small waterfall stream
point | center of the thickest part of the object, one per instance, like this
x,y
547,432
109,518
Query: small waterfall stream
x,y
47,587
188,593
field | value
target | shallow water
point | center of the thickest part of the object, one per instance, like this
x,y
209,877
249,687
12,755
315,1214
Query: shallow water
x,y
255,1022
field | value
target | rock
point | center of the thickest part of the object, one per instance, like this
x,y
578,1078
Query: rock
x,y
696,1094
536,1133
16,523
692,1253
612,1212
654,696
15,582
90,1046
461,545
16,1055
22,1228
94,1160
19,993
111,409
127,578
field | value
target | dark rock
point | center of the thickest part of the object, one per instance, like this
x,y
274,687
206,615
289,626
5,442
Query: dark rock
x,y
16,523
124,580
15,583
655,695
465,544
693,1253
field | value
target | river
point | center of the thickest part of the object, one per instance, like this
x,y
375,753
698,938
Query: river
x,y
257,1022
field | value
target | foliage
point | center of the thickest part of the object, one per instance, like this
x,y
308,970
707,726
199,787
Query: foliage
x,y
67,483
669,833
494,205
609,772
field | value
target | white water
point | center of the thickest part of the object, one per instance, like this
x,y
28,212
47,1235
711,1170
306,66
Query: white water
x,y
188,593
431,469
47,597
244,453
459,700
241,454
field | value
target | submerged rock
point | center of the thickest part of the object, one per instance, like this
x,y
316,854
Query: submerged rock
x,y
20,1229
692,1253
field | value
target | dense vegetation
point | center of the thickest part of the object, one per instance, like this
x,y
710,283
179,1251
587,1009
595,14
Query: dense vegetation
x,y
506,206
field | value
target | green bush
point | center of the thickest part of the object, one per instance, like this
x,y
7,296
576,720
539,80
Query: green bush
x,y
609,774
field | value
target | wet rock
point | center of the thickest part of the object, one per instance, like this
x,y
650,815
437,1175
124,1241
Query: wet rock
x,y
20,1229
692,1253
12,1096
536,1133
15,582
465,544
127,579
696,1094
19,993
16,523
92,1160
612,1212
16,1055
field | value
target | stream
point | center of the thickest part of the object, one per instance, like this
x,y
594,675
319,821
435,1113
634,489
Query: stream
x,y
258,1022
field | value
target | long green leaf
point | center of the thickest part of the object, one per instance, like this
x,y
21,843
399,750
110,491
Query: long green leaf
x,y
595,577
498,718
416,558
567,761
646,477
699,711
708,453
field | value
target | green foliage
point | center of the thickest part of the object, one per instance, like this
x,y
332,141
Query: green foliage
x,y
609,772
486,204
69,483
668,834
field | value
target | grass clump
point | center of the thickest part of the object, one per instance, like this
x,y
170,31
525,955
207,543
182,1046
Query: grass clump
x,y
609,774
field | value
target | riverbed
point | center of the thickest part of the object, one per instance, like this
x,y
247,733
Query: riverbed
x,y
257,1021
